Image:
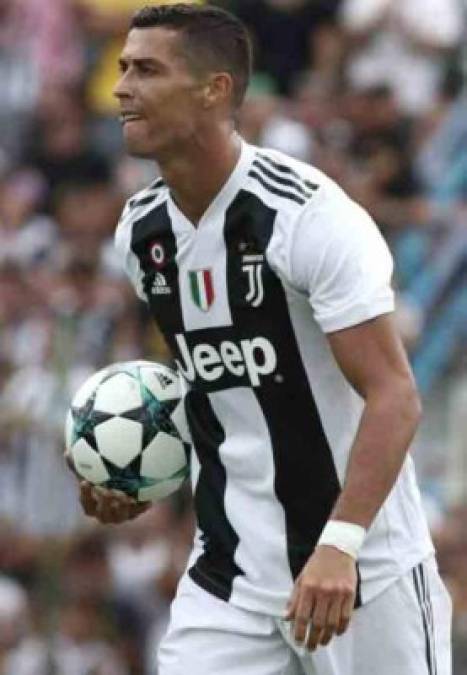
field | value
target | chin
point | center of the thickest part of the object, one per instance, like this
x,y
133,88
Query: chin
x,y
138,149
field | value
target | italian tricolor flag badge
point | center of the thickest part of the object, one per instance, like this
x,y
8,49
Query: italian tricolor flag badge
x,y
202,289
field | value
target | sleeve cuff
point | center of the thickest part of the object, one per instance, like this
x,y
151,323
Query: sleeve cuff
x,y
356,314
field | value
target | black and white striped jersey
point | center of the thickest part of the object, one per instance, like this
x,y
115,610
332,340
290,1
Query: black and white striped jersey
x,y
280,258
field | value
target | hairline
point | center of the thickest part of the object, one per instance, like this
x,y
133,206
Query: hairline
x,y
194,65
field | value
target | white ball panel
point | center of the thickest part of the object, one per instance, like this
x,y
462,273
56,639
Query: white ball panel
x,y
159,491
119,440
88,388
118,394
179,419
163,457
88,463
69,430
161,381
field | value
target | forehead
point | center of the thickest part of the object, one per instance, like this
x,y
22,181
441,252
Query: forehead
x,y
158,43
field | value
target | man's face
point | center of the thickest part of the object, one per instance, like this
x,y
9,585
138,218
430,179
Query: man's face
x,y
160,99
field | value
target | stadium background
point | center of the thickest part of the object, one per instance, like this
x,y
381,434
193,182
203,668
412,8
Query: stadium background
x,y
373,92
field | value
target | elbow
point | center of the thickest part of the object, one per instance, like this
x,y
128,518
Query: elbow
x,y
399,402
410,404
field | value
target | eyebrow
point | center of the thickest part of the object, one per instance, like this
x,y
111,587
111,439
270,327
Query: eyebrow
x,y
144,61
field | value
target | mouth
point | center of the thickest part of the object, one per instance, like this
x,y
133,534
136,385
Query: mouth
x,y
129,117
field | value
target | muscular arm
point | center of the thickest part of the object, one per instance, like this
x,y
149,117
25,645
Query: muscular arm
x,y
373,360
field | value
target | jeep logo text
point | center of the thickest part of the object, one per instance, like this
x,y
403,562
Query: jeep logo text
x,y
254,358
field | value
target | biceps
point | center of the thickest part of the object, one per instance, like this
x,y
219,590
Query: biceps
x,y
371,355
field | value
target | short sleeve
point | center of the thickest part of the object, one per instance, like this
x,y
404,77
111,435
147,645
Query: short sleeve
x,y
340,260
128,258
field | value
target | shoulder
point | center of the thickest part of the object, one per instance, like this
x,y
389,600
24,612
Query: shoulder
x,y
146,196
283,180
308,199
327,231
137,206
297,188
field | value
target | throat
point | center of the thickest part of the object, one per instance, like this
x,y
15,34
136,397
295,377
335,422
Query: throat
x,y
196,180
192,207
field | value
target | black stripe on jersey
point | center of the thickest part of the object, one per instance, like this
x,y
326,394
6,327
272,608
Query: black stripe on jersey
x,y
275,190
287,182
429,613
155,228
215,569
306,482
158,183
418,583
143,201
283,168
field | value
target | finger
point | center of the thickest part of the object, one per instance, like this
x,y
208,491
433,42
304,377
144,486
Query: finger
x,y
346,613
318,621
124,507
332,621
112,510
302,616
139,508
87,498
291,607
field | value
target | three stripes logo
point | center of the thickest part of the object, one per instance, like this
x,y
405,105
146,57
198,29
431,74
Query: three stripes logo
x,y
159,286
202,288
281,180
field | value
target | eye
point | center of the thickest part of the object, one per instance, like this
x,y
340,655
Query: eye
x,y
147,69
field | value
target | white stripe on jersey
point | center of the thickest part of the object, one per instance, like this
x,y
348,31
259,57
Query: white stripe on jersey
x,y
247,456
199,253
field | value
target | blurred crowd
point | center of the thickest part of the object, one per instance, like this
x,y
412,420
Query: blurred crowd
x,y
371,91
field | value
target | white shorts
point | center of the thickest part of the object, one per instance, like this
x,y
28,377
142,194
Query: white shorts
x,y
404,631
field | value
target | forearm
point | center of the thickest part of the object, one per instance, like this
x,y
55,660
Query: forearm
x,y
387,426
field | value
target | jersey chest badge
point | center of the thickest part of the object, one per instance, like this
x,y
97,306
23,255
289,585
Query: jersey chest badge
x,y
252,263
252,266
201,288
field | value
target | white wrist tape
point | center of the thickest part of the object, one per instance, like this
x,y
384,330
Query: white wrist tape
x,y
347,537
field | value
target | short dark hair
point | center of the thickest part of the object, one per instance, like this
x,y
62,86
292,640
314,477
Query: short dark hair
x,y
214,39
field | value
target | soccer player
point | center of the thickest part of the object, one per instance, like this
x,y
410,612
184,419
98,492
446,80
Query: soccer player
x,y
272,287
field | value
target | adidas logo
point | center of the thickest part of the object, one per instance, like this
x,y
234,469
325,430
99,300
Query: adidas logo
x,y
164,381
159,286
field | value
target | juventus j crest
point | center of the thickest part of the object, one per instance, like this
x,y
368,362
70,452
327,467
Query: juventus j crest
x,y
253,267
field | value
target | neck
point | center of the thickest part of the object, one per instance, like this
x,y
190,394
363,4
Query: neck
x,y
197,174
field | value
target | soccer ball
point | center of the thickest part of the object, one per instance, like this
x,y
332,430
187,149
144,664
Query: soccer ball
x,y
126,430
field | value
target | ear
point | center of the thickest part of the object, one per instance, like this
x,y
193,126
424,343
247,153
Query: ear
x,y
218,90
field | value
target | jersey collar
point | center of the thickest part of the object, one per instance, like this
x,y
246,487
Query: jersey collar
x,y
226,194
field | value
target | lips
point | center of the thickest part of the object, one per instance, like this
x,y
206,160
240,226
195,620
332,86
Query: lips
x,y
129,116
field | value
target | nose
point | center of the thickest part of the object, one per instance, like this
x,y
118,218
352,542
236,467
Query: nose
x,y
122,88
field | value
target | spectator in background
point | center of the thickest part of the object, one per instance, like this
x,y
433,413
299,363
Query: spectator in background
x,y
291,36
85,210
403,44
60,147
27,237
78,647
267,120
39,43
